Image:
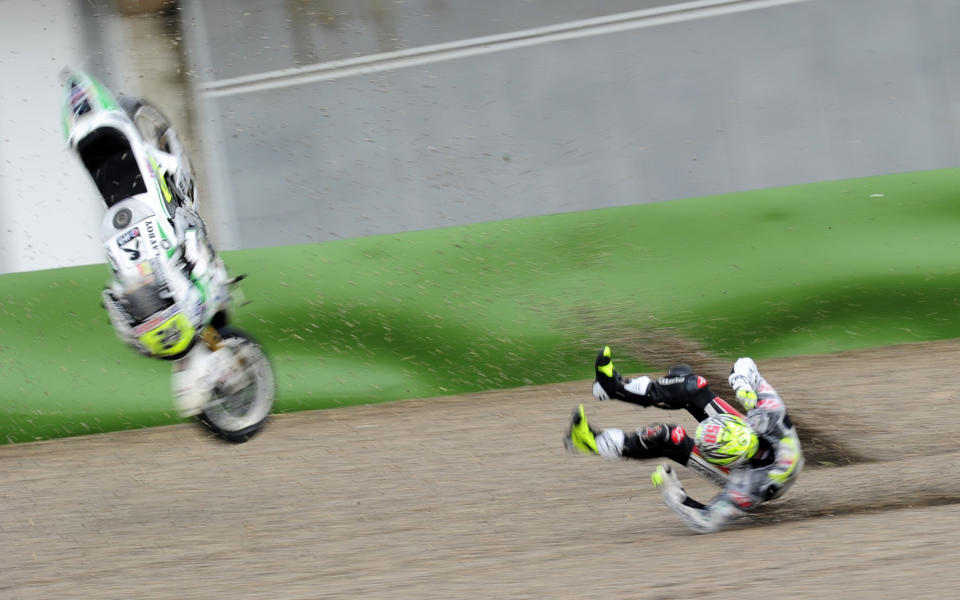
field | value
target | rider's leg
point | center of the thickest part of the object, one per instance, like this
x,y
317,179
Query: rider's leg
x,y
679,389
682,388
658,440
652,441
671,441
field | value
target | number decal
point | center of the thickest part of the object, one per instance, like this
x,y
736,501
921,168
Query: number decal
x,y
710,434
133,253
124,241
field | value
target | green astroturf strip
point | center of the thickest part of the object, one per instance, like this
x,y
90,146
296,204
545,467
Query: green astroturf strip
x,y
799,270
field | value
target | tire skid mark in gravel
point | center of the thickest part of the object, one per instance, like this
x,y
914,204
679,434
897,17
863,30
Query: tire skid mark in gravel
x,y
665,349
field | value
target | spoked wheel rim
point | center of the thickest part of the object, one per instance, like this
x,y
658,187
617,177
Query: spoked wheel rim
x,y
248,406
152,125
157,130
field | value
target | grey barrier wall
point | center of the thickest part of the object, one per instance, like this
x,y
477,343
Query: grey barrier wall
x,y
49,209
332,119
326,119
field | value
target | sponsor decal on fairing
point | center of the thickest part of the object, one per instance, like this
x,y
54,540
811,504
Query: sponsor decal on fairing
x,y
79,104
152,237
125,237
133,253
156,267
144,268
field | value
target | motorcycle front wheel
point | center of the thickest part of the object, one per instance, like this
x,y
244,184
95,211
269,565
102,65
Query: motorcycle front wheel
x,y
237,412
156,129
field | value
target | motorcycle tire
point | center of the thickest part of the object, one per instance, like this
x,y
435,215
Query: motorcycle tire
x,y
158,131
239,416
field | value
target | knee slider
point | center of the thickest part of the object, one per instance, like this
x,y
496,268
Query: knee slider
x,y
655,435
670,441
692,384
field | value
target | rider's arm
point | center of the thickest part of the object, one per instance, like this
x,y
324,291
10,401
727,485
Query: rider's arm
x,y
770,420
788,461
702,518
746,381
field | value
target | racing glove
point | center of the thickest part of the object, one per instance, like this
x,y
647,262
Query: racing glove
x,y
698,517
665,480
744,379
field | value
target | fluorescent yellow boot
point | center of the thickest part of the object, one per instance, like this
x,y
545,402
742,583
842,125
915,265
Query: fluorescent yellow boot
x,y
580,437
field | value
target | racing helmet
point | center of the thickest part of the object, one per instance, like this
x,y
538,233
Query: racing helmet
x,y
726,440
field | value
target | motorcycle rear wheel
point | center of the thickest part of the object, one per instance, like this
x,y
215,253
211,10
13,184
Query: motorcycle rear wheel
x,y
238,416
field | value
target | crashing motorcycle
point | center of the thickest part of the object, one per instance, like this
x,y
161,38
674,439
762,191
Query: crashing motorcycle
x,y
170,293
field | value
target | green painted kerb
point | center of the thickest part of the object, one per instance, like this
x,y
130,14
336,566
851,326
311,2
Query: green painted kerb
x,y
799,270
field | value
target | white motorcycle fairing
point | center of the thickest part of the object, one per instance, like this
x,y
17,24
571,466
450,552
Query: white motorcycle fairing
x,y
169,296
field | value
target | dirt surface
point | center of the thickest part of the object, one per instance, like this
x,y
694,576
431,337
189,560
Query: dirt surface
x,y
473,497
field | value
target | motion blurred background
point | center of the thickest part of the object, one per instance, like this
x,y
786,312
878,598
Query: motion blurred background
x,y
313,120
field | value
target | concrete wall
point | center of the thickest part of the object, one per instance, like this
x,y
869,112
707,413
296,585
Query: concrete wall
x,y
49,209
381,121
638,110
48,216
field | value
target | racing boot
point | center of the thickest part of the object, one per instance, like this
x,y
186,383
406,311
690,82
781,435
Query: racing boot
x,y
608,443
580,437
609,384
